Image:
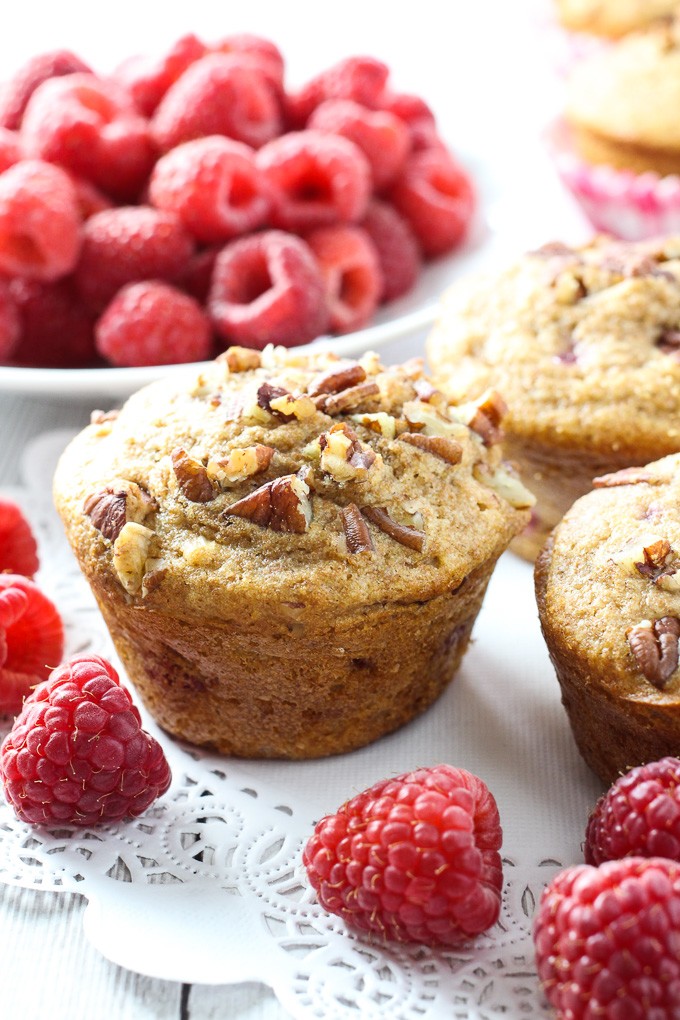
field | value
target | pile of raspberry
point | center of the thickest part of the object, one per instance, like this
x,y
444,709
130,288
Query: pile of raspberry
x,y
188,202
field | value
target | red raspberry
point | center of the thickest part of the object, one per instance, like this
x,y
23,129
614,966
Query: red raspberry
x,y
414,858
436,196
398,250
89,198
382,137
152,323
18,547
217,95
267,288
56,330
147,79
11,148
607,941
10,325
316,179
196,278
39,221
362,79
260,53
407,107
639,816
126,245
351,271
31,639
214,187
15,93
77,753
92,128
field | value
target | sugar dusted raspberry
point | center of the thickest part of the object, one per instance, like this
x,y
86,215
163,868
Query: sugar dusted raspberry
x,y
31,639
217,95
316,179
415,858
126,245
214,185
10,325
91,127
18,547
147,78
56,329
398,250
267,288
351,272
361,79
382,137
606,940
152,323
39,221
15,93
11,148
436,197
77,753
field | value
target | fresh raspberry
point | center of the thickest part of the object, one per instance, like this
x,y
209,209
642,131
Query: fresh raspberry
x,y
126,245
259,53
10,326
77,753
409,108
267,288
639,816
316,179
11,148
437,198
413,858
382,137
197,276
147,79
351,272
89,198
92,128
214,186
607,941
15,93
398,250
31,639
218,95
362,79
152,323
40,229
18,547
56,329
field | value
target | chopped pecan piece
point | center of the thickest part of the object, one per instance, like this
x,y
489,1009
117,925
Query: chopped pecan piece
x,y
342,454
130,552
655,647
290,406
282,505
192,477
552,249
669,341
241,463
629,263
487,418
626,476
240,359
352,397
506,484
341,378
401,533
381,422
657,560
268,392
357,535
425,391
108,512
440,446
97,417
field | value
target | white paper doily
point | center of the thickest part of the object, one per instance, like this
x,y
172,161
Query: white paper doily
x,y
208,885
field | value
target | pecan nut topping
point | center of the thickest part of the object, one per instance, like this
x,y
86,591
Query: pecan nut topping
x,y
657,560
192,477
341,378
241,463
626,476
108,512
440,446
282,505
268,392
654,645
401,533
357,535
669,342
350,398
240,359
98,417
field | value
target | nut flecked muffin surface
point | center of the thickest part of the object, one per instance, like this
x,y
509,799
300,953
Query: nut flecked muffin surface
x,y
290,551
584,344
608,593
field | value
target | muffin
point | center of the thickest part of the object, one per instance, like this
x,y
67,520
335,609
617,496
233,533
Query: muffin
x,y
608,593
611,18
584,345
289,551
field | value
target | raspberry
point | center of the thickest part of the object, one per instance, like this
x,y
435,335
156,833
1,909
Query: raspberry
x,y
18,547
413,858
382,137
397,248
147,79
31,639
606,940
265,289
362,79
152,323
77,753
92,128
126,245
56,330
214,187
89,198
196,278
258,53
11,148
639,816
351,271
15,93
217,95
39,221
436,196
407,107
10,326
317,179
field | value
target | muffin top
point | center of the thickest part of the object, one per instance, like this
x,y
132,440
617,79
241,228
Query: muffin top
x,y
583,343
611,18
610,580
305,481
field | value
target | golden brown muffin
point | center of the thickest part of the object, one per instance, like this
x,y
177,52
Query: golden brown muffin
x,y
611,18
289,551
608,592
584,345
622,103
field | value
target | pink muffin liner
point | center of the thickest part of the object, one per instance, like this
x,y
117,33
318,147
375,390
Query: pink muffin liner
x,y
619,202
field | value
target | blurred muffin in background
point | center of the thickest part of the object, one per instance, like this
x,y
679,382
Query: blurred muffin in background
x,y
611,18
